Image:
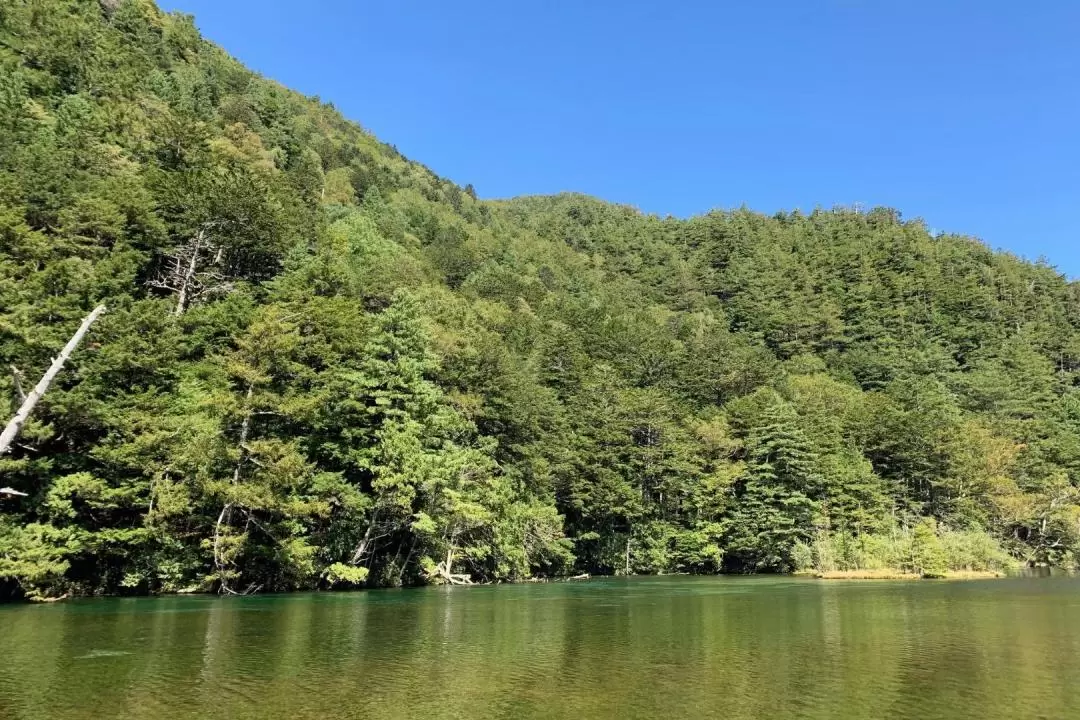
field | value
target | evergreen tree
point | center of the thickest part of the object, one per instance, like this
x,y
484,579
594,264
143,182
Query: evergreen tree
x,y
326,366
777,495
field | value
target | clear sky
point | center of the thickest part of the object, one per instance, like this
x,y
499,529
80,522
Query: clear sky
x,y
964,113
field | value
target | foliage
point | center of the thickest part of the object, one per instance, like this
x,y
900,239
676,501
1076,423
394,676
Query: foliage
x,y
325,366
924,549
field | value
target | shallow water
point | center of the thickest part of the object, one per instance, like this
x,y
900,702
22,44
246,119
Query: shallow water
x,y
730,648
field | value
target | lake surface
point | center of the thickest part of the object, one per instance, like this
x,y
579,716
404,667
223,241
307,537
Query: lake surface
x,y
681,647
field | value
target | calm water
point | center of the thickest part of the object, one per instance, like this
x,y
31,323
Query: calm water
x,y
642,648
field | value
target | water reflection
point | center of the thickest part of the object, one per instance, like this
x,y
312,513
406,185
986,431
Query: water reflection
x,y
684,647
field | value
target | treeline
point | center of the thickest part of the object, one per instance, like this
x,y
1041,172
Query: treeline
x,y
324,366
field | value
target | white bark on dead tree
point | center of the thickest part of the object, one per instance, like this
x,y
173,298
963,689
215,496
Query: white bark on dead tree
x,y
188,278
27,407
194,271
223,567
16,380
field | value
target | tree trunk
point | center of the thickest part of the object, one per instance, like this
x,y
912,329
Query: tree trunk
x,y
225,517
23,414
16,380
449,558
358,555
445,566
225,511
245,430
189,275
408,559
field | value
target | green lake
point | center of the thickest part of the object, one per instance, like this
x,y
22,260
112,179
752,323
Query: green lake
x,y
671,647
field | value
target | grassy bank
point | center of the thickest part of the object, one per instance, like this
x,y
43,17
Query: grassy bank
x,y
924,550
897,574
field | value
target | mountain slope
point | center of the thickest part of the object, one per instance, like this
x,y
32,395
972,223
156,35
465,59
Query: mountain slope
x,y
325,366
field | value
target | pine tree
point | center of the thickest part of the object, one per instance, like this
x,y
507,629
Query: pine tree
x,y
777,495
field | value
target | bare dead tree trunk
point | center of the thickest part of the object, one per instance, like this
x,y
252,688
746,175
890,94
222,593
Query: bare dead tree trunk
x,y
408,559
225,511
444,568
358,555
189,276
27,407
225,517
245,430
16,379
397,554
193,272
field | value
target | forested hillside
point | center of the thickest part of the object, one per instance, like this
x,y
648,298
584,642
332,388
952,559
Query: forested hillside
x,y
324,366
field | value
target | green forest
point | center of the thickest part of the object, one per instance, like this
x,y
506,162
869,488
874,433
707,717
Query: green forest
x,y
322,366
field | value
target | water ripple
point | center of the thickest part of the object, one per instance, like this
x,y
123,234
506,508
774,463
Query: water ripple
x,y
740,649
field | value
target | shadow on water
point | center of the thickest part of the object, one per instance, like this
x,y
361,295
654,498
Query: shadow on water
x,y
614,648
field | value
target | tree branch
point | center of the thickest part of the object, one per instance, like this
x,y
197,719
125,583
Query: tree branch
x,y
16,378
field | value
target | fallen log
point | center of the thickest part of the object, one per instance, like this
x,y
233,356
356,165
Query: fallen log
x,y
31,399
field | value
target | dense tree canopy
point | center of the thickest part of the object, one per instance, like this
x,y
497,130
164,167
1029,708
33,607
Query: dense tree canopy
x,y
324,366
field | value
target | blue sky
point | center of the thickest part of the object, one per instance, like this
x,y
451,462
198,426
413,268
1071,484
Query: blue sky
x,y
964,113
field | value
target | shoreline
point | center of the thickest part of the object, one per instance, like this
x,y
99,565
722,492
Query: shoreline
x,y
861,575
894,574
